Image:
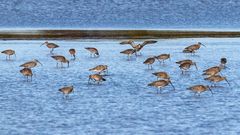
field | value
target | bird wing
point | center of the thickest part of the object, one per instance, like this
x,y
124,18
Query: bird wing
x,y
127,42
148,42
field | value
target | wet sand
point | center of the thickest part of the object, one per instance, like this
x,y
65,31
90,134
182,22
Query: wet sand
x,y
111,34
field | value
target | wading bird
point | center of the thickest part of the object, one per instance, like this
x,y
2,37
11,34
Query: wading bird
x,y
31,64
93,51
149,62
193,48
160,84
73,53
162,75
185,66
162,57
96,78
66,90
212,71
198,89
51,46
60,59
129,52
138,47
8,53
99,69
216,78
27,72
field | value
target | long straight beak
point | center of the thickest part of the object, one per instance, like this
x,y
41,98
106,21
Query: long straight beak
x,y
196,66
210,90
227,82
203,45
172,85
40,63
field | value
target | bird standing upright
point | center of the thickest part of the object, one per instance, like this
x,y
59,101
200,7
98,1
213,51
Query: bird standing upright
x,y
60,59
8,53
51,46
27,72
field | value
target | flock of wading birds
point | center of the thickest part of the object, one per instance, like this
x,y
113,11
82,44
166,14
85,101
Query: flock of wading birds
x,y
212,73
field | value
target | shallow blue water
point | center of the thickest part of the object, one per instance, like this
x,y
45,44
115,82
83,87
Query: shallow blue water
x,y
124,104
133,14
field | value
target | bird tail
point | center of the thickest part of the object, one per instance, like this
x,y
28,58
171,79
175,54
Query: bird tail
x,y
103,79
150,84
154,73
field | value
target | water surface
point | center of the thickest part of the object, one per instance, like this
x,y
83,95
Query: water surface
x,y
124,104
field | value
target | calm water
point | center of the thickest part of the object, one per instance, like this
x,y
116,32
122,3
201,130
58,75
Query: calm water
x,y
123,104
134,14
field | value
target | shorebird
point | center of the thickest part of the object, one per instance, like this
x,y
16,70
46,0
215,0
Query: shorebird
x,y
223,62
51,46
129,52
217,78
149,62
96,78
212,71
99,69
198,89
184,61
73,53
66,90
60,59
8,53
31,64
193,48
162,75
185,66
93,51
160,84
138,47
162,57
27,72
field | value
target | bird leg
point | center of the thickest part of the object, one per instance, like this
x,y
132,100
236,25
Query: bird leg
x,y
52,51
160,90
57,64
89,79
61,65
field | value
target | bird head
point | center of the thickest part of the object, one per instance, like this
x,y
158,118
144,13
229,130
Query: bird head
x,y
97,53
46,42
223,60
